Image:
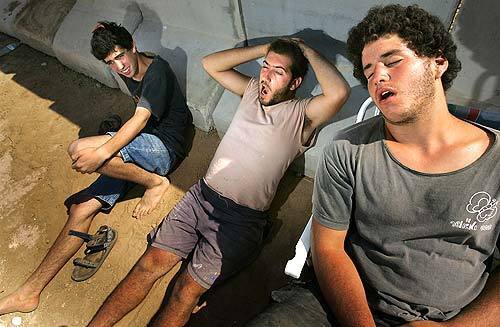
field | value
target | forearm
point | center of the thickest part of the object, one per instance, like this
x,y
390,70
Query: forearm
x,y
343,290
124,135
329,78
338,278
228,59
484,311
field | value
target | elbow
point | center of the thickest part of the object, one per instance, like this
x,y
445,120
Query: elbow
x,y
344,92
205,62
342,95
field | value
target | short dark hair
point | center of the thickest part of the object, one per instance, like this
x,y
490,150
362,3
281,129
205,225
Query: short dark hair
x,y
424,33
292,50
106,36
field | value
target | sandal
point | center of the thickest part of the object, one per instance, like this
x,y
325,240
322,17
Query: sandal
x,y
98,247
110,124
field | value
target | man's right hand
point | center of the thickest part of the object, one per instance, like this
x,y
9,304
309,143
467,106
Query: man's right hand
x,y
88,160
220,65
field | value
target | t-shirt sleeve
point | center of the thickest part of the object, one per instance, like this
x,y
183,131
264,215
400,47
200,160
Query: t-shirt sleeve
x,y
333,188
157,92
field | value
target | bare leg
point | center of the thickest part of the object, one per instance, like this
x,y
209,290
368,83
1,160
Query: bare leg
x,y
155,185
27,296
153,264
181,304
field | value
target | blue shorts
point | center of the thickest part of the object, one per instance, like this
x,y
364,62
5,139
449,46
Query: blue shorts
x,y
146,151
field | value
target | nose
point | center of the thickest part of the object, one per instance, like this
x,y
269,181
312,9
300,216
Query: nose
x,y
380,73
266,74
118,64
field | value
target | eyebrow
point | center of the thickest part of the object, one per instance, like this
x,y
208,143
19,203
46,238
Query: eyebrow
x,y
275,66
384,55
121,53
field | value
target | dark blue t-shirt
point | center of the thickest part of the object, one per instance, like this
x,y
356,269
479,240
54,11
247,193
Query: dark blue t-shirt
x,y
159,92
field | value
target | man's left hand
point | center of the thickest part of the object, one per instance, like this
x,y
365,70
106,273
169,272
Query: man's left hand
x,y
88,160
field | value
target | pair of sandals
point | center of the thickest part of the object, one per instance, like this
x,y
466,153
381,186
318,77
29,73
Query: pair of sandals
x,y
98,247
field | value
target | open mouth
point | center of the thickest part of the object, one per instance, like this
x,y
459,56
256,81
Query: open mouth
x,y
126,71
384,95
264,90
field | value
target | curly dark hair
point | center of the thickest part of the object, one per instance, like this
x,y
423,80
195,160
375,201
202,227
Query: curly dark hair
x,y
424,33
292,50
107,35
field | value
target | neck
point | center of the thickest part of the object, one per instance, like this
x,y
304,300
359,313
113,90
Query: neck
x,y
143,63
434,124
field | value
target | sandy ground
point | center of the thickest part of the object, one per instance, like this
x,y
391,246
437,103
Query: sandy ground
x,y
44,106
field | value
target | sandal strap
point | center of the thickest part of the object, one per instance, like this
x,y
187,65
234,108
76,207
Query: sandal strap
x,y
100,240
85,263
84,236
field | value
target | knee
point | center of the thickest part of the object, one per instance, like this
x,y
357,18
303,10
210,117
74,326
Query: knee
x,y
81,212
156,262
187,289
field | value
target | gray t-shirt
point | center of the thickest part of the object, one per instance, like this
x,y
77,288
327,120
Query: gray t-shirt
x,y
422,243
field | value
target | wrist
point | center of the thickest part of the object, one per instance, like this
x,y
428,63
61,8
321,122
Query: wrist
x,y
103,152
265,49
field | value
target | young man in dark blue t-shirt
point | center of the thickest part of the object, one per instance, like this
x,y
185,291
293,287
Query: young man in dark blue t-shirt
x,y
142,151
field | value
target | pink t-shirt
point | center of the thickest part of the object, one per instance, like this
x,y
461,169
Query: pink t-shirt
x,y
256,150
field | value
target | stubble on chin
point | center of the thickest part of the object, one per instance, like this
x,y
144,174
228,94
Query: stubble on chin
x,y
420,100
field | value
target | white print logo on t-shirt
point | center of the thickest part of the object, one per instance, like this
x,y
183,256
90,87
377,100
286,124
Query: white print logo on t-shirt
x,y
483,205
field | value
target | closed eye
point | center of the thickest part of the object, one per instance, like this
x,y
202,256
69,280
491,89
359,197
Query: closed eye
x,y
393,63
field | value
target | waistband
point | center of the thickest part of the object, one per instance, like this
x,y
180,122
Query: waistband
x,y
221,202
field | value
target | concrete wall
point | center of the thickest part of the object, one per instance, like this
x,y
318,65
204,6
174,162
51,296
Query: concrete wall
x,y
478,41
183,31
324,24
34,22
335,17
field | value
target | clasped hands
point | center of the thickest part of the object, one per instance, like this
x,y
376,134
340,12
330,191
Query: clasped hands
x,y
88,160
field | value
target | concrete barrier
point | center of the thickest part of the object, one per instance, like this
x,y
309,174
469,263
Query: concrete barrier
x,y
335,17
72,40
325,26
8,12
181,31
38,22
478,42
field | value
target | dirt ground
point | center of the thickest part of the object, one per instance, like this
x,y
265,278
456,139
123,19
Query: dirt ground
x,y
44,106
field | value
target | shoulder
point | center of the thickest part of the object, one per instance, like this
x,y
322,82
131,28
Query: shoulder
x,y
159,68
363,133
252,86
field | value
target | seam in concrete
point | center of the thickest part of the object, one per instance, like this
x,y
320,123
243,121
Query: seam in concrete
x,y
455,15
242,19
141,21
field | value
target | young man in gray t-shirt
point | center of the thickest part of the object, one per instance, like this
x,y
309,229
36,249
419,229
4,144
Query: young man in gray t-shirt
x,y
406,204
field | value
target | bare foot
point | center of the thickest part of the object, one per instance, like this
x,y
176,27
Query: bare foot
x,y
18,302
150,199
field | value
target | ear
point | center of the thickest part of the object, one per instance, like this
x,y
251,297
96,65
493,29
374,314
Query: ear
x,y
134,48
441,65
294,85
